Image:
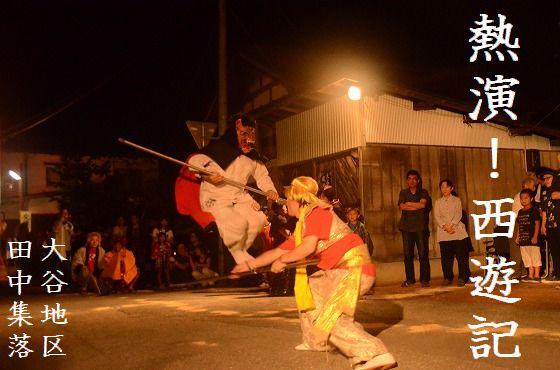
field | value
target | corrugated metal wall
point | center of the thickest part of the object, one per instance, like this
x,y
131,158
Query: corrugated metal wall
x,y
343,124
385,167
327,129
392,120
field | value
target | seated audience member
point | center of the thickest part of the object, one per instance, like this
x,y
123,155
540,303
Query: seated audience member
x,y
200,264
180,265
120,270
120,229
161,250
87,264
354,223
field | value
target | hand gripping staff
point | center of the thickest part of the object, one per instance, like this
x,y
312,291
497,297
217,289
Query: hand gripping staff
x,y
197,169
260,270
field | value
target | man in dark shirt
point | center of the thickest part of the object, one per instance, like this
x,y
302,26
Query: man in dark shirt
x,y
281,227
413,203
550,209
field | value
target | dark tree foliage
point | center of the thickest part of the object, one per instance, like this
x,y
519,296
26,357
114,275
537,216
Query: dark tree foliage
x,y
95,195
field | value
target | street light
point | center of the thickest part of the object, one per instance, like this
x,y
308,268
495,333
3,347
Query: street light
x,y
354,93
14,175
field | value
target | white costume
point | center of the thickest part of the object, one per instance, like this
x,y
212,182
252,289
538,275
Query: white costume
x,y
238,222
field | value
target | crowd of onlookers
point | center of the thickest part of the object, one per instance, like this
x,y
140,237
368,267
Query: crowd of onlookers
x,y
536,235
134,253
128,256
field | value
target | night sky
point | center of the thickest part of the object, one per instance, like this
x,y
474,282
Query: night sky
x,y
140,69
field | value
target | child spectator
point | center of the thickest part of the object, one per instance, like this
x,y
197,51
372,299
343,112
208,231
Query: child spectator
x,y
353,216
161,250
163,228
527,235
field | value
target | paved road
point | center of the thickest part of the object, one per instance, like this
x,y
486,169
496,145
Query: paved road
x,y
425,328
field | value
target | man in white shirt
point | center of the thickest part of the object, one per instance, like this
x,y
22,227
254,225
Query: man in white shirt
x,y
236,213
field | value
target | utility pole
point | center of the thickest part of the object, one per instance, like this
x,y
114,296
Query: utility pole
x,y
222,97
1,162
222,69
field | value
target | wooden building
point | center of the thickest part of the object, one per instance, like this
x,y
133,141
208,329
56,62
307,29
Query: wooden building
x,y
364,149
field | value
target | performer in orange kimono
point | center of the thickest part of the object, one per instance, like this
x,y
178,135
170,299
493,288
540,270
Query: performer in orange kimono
x,y
120,266
327,299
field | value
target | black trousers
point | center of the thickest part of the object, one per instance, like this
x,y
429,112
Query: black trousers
x,y
553,239
455,249
420,239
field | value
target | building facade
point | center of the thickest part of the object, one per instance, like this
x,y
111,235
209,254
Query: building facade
x,y
364,149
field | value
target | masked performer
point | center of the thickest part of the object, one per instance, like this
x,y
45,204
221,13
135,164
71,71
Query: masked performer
x,y
235,212
327,299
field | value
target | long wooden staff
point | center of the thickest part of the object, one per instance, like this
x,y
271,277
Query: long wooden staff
x,y
260,270
197,169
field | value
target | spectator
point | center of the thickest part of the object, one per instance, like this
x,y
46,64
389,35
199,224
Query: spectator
x,y
200,263
194,241
328,195
3,234
138,242
353,216
282,226
163,228
161,250
527,183
550,217
120,229
514,249
181,270
280,230
63,232
451,234
23,235
135,235
413,226
87,264
119,267
527,234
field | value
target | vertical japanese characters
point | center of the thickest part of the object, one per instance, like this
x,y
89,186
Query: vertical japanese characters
x,y
493,39
52,316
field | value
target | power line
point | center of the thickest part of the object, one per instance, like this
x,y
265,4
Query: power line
x,y
545,117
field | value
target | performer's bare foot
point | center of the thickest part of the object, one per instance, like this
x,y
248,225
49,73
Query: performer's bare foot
x,y
385,361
